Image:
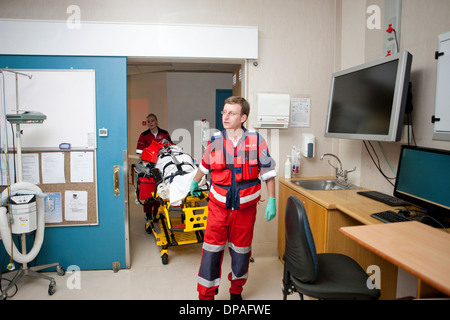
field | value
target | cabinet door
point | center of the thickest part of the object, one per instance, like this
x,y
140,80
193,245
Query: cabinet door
x,y
317,216
442,107
283,194
317,221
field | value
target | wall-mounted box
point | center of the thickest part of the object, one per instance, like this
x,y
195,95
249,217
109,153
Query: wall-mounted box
x,y
272,110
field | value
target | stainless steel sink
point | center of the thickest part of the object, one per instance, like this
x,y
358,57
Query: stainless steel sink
x,y
327,184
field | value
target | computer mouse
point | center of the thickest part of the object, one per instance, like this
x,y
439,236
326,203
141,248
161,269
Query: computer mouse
x,y
405,213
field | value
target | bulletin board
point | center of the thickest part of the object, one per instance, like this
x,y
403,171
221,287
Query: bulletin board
x,y
65,97
89,188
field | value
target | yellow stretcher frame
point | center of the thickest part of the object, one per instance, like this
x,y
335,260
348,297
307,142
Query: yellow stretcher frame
x,y
177,231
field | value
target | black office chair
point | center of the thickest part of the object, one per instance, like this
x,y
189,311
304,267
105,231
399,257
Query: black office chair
x,y
322,276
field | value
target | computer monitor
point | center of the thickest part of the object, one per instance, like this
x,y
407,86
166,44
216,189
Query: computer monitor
x,y
423,179
368,102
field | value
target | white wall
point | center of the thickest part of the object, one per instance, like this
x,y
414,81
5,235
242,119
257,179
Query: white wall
x,y
190,97
147,93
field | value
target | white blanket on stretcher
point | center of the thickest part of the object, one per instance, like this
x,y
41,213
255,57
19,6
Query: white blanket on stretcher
x,y
177,188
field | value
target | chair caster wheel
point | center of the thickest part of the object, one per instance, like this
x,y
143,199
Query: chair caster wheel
x,y
51,288
60,271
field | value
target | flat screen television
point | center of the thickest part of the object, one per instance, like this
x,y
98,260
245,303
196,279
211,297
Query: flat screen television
x,y
423,179
368,102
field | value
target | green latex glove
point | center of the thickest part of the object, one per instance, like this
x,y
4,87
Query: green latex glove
x,y
195,190
271,209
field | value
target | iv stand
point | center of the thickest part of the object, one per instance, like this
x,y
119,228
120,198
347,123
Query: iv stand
x,y
24,269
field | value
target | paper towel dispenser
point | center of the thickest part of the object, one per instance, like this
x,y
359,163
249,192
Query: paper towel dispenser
x,y
272,110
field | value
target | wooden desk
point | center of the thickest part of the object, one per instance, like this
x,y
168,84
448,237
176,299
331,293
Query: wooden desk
x,y
327,212
417,248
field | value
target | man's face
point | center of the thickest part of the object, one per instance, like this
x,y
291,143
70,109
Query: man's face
x,y
231,117
152,123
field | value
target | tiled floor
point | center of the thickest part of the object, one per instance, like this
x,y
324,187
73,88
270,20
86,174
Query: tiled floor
x,y
148,278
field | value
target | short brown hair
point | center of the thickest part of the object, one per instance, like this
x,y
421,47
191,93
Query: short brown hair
x,y
245,106
152,115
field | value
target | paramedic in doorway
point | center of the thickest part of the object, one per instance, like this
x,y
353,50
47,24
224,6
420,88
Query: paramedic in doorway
x,y
154,133
235,158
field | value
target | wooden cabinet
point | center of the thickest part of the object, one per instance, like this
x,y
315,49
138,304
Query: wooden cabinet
x,y
317,216
237,81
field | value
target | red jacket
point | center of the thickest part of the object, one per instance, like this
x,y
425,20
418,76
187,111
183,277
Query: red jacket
x,y
235,170
146,138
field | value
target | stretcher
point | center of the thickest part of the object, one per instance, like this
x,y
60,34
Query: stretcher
x,y
177,226
163,176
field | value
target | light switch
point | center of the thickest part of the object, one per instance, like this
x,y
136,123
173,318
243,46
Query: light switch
x,y
103,132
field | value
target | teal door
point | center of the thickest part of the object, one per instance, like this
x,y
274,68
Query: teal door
x,y
221,96
98,246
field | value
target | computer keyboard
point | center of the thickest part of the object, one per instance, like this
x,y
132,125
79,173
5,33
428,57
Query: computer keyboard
x,y
385,198
390,216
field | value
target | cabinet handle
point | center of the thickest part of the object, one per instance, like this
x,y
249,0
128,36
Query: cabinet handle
x,y
434,119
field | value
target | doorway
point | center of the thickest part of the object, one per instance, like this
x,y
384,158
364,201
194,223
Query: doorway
x,y
221,96
178,93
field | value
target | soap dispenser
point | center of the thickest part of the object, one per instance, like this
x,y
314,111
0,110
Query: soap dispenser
x,y
288,168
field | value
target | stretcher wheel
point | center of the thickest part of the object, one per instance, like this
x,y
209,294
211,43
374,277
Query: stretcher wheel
x,y
148,227
165,258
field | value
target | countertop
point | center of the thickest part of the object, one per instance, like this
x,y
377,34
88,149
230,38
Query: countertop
x,y
346,201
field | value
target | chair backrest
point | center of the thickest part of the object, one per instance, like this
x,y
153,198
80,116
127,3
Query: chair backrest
x,y
300,254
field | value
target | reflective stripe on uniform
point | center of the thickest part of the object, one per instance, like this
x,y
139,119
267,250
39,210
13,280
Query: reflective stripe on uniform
x,y
241,250
217,196
208,283
213,248
251,197
234,277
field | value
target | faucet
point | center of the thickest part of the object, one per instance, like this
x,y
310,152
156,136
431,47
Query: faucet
x,y
341,175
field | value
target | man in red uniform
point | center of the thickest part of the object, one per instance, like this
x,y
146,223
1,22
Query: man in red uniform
x,y
145,140
235,158
153,133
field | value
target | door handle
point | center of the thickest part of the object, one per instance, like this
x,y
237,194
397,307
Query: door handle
x,y
116,180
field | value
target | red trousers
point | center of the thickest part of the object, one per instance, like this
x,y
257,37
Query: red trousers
x,y
236,226
151,206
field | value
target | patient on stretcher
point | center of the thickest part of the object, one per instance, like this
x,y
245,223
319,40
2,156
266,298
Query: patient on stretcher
x,y
171,170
